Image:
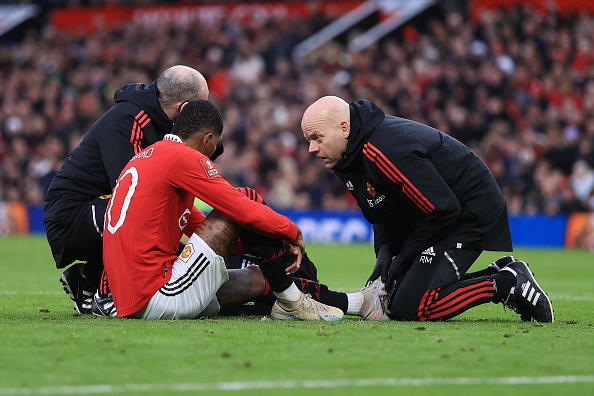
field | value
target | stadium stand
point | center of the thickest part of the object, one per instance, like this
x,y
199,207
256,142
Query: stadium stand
x,y
516,84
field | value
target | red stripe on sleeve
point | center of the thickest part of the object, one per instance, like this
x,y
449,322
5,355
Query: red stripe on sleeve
x,y
407,182
134,138
143,123
140,121
133,133
397,177
394,179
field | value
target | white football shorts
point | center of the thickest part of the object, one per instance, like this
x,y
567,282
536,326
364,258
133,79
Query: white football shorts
x,y
197,274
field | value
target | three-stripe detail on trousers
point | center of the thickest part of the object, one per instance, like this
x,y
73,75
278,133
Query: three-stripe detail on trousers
x,y
179,285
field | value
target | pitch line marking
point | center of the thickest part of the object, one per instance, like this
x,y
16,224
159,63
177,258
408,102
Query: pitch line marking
x,y
255,385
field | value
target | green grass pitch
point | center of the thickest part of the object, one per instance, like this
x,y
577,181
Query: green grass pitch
x,y
46,348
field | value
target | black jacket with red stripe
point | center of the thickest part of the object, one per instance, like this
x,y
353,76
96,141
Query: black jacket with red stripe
x,y
420,187
134,123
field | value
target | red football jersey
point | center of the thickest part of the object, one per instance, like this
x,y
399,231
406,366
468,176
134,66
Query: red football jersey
x,y
152,206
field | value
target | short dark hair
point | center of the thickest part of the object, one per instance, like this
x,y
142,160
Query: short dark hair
x,y
196,116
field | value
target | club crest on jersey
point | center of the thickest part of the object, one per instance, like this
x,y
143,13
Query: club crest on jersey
x,y
371,190
186,253
209,167
374,201
105,196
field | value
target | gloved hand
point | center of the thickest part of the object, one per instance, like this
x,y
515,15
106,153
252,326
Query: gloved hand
x,y
382,264
218,151
394,273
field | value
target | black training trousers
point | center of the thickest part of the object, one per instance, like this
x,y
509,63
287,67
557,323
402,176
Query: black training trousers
x,y
432,288
78,235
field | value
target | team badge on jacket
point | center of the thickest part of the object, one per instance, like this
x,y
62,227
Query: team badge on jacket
x,y
371,190
373,201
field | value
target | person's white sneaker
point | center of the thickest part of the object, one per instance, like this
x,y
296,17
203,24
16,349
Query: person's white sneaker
x,y
306,308
374,301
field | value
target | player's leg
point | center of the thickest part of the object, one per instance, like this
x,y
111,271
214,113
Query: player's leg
x,y
244,285
84,242
263,303
307,270
524,295
367,303
432,290
197,273
272,257
514,286
492,268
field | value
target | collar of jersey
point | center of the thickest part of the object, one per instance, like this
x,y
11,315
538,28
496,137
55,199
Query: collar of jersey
x,y
171,136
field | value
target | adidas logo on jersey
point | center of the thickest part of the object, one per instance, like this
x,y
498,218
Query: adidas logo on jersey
x,y
427,256
429,252
349,186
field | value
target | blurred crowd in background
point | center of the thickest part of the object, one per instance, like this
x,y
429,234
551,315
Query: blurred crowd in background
x,y
517,87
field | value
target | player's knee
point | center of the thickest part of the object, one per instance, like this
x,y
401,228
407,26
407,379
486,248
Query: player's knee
x,y
402,309
259,282
252,194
